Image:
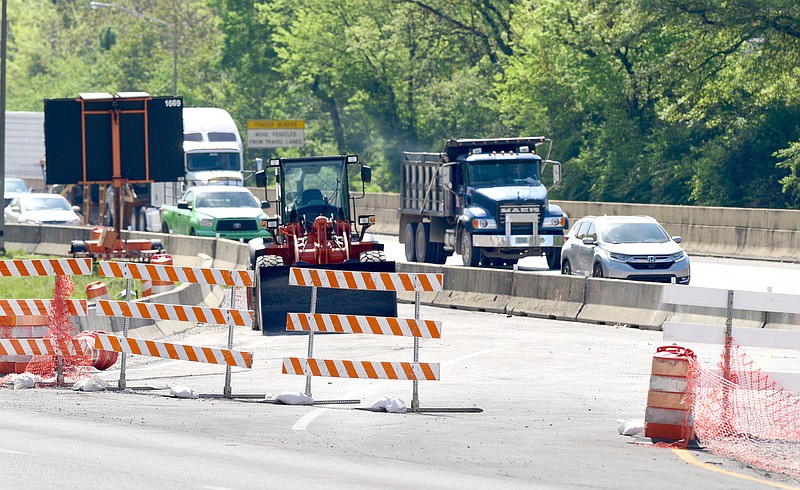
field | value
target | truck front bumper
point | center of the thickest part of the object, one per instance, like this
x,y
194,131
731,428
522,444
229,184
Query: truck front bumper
x,y
517,241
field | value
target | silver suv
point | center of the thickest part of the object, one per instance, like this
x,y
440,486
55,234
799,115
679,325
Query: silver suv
x,y
624,247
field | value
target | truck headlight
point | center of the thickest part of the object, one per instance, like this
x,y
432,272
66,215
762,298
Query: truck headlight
x,y
484,223
206,222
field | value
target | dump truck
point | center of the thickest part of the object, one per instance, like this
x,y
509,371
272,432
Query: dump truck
x,y
483,199
314,228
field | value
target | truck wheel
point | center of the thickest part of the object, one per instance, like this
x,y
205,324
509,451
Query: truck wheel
x,y
409,236
423,245
470,256
262,261
372,256
553,258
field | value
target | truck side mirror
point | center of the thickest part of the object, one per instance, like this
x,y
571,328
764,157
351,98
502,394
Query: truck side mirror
x,y
556,172
265,205
183,205
366,174
261,179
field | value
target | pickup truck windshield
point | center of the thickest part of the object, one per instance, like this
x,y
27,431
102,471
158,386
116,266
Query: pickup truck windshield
x,y
503,173
199,162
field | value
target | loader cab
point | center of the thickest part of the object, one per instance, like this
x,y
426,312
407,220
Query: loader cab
x,y
314,186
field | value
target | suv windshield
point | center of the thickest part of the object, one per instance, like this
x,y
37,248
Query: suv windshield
x,y
633,233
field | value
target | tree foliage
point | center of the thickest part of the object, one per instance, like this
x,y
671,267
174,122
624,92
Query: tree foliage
x,y
655,101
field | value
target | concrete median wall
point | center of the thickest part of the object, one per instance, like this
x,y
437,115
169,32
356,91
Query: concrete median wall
x,y
511,292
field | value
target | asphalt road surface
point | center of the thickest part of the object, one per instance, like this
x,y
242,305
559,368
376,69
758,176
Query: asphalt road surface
x,y
551,395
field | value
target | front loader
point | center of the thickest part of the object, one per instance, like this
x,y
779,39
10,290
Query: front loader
x,y
313,228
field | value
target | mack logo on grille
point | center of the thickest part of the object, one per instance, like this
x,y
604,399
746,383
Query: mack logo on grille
x,y
519,209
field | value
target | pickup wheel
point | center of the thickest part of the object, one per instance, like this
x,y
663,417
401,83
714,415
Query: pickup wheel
x,y
192,232
470,256
165,228
409,237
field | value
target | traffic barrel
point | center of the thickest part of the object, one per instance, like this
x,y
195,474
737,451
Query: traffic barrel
x,y
20,327
161,286
101,359
669,402
96,290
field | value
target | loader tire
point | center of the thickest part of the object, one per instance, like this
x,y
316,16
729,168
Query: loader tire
x,y
372,256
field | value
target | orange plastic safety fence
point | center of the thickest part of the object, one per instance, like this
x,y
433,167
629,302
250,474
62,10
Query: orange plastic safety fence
x,y
61,328
747,417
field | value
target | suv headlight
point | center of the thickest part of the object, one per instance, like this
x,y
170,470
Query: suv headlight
x,y
677,257
619,257
206,222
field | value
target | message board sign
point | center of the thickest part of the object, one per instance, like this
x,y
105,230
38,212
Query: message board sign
x,y
264,133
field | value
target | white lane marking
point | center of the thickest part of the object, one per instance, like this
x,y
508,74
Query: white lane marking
x,y
304,421
11,451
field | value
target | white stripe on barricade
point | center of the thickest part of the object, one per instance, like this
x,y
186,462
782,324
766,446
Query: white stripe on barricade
x,y
405,327
39,307
171,273
369,281
178,352
45,267
159,311
421,371
41,347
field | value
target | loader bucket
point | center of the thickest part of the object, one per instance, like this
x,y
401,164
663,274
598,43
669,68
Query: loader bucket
x,y
279,298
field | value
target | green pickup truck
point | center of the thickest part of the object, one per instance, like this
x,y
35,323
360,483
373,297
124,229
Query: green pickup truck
x,y
217,211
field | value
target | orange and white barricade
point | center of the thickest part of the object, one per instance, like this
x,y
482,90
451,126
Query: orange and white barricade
x,y
166,273
20,327
24,322
369,281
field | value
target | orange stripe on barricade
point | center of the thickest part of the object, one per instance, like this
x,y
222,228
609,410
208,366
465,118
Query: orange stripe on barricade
x,y
361,369
326,322
46,267
179,352
159,311
371,281
172,274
